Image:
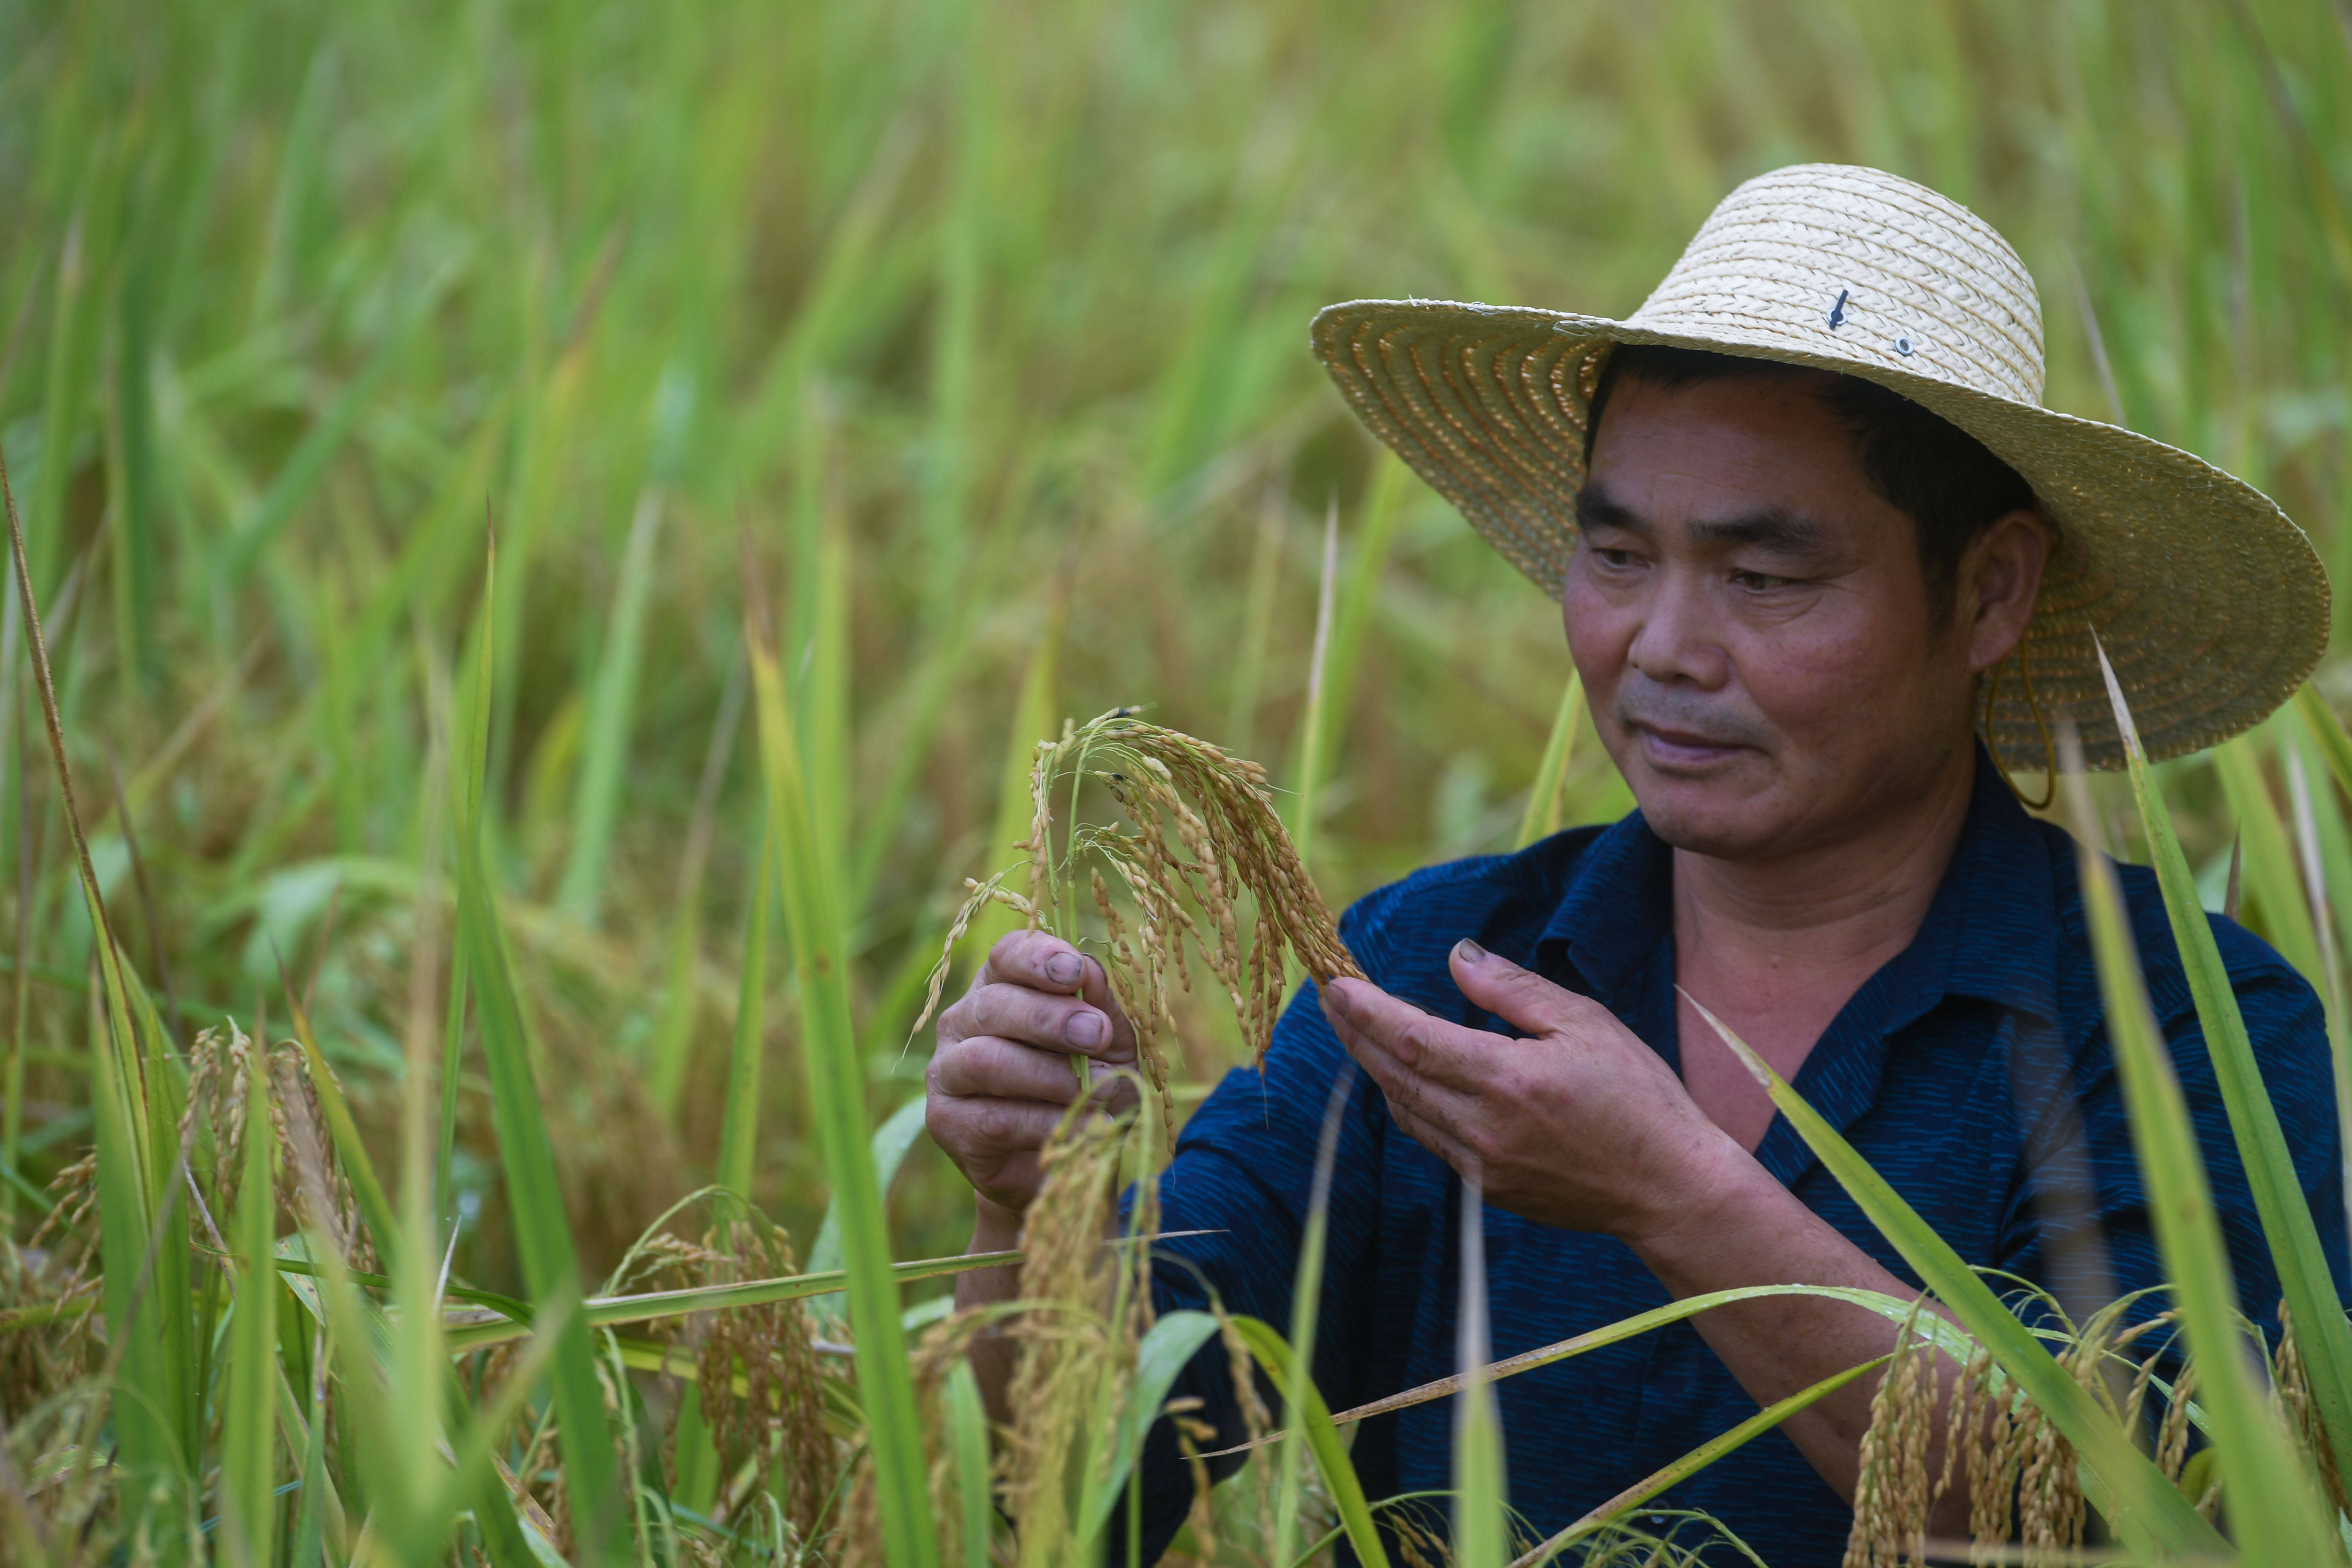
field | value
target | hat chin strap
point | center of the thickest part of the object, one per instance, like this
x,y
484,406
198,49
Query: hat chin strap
x,y
2049,750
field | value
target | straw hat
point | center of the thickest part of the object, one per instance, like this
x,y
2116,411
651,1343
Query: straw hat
x,y
2208,600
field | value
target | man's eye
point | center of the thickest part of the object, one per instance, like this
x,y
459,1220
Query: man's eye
x,y
1759,582
1619,559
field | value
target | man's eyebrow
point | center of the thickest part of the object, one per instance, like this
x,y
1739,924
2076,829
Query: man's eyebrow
x,y
1596,508
1775,529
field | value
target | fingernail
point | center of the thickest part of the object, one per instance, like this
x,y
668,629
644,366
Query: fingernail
x,y
1063,969
1084,1030
1469,951
1337,1000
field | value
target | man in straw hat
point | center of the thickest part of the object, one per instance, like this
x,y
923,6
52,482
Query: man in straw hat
x,y
1827,567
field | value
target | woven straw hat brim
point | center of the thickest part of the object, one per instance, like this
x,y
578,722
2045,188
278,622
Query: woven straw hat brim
x,y
2207,597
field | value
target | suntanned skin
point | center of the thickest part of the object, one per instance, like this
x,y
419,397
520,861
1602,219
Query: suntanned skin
x,y
1794,715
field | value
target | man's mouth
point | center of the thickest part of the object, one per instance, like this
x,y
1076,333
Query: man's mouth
x,y
1672,750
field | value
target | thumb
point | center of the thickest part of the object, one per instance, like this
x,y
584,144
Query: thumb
x,y
1520,997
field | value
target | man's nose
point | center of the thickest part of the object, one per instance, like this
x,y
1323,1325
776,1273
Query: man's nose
x,y
1679,640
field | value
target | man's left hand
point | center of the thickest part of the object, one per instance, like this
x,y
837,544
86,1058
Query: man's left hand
x,y
1580,1125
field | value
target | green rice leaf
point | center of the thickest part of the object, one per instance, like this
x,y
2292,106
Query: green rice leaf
x,y
2275,903
142,1224
543,1232
891,1140
1306,1302
612,704
1546,796
605,1312
1160,1359
739,1126
1033,718
1482,1527
1344,616
968,1440
1314,1419
307,464
2274,1506
2287,1222
2327,731
249,1419
836,1072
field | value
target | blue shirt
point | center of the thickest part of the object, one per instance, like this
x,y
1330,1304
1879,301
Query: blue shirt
x,y
1972,1070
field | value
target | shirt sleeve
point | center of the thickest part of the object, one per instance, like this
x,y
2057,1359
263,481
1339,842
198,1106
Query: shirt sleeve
x,y
1242,1174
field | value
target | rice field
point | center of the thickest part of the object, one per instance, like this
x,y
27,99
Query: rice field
x,y
556,531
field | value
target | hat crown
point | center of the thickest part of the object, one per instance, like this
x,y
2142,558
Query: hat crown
x,y
1832,260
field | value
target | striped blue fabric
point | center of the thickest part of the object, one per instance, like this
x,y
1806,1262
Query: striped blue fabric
x,y
1973,1071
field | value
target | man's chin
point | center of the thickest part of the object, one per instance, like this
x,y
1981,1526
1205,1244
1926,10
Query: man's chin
x,y
1715,818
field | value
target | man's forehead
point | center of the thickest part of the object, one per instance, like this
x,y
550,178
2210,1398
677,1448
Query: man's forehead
x,y
1730,450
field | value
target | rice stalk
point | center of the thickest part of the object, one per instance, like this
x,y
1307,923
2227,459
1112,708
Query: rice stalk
x,y
940,1369
1072,1338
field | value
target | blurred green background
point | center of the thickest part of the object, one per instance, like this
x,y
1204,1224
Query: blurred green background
x,y
976,329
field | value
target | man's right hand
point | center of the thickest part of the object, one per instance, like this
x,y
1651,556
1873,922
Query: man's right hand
x,y
1001,1077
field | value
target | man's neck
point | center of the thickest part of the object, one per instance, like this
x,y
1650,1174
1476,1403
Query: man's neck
x,y
1793,938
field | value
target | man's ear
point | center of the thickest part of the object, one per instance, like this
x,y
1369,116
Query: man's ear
x,y
2001,576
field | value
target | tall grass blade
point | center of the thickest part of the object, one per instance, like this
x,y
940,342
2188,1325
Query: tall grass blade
x,y
1306,791
967,1442
608,1311
1548,798
1313,1419
307,1546
2275,1507
597,807
2274,885
673,1043
1343,617
2327,732
2325,843
143,1225
837,1083
74,315
2287,1222
1482,1530
890,1143
249,1419
2147,1512
739,1128
1032,720
543,1232
1305,1309
307,464
1257,624
1162,1355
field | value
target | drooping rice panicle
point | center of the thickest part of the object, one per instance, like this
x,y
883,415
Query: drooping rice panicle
x,y
1183,895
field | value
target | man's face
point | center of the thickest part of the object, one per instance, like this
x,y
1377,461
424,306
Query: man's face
x,y
1752,624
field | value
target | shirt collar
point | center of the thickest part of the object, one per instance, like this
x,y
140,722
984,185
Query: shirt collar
x,y
1991,932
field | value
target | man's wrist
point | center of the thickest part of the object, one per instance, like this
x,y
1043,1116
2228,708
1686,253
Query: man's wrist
x,y
1721,1182
994,1228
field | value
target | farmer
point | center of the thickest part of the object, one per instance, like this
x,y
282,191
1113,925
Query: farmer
x,y
1828,572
